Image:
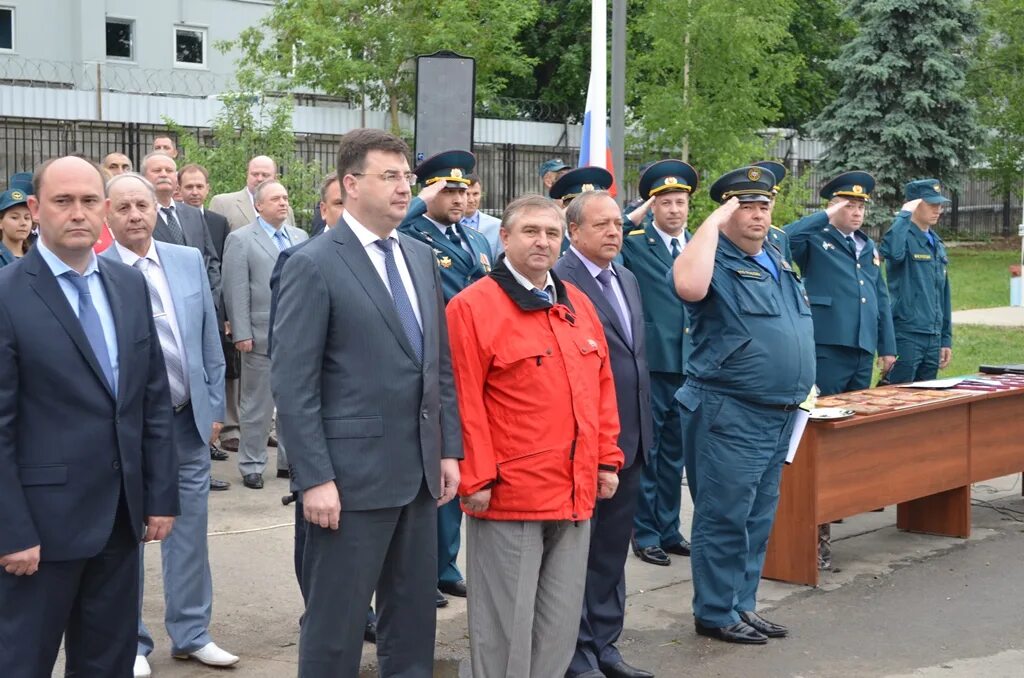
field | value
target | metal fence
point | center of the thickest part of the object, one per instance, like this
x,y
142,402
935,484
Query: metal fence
x,y
507,170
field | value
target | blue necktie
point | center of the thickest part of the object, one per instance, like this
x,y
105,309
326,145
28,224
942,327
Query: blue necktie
x,y
605,278
402,304
453,235
541,294
675,247
280,241
92,327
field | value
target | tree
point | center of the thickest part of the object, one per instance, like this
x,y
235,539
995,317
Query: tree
x,y
902,112
996,82
707,82
355,48
250,125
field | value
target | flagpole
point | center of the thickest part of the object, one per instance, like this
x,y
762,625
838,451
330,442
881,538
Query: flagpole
x,y
618,137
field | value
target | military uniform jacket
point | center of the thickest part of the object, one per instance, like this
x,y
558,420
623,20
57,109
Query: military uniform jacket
x,y
779,238
458,267
918,280
665,320
753,337
849,300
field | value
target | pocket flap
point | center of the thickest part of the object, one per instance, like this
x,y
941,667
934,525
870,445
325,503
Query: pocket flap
x,y
688,398
51,474
820,301
354,427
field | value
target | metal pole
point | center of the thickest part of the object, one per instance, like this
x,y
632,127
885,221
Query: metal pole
x,y
618,140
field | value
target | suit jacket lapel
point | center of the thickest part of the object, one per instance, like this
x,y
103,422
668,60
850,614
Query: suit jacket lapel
x,y
421,271
265,242
245,206
358,261
115,297
657,246
48,289
441,241
636,314
592,288
169,265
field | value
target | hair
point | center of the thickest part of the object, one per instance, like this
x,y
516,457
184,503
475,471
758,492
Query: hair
x,y
574,212
527,203
150,156
326,183
262,186
37,175
355,145
120,178
192,167
166,136
474,178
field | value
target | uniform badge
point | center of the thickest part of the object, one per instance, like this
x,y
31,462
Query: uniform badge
x,y
858,189
754,173
670,181
651,241
785,266
749,274
827,245
936,187
445,262
17,195
922,257
586,188
456,173
483,262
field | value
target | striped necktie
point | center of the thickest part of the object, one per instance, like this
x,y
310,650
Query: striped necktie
x,y
172,357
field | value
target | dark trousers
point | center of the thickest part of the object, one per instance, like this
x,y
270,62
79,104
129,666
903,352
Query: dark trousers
x,y
92,602
449,538
392,550
918,357
842,368
657,514
604,600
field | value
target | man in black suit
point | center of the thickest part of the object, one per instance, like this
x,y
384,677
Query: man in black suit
x,y
85,439
595,229
194,185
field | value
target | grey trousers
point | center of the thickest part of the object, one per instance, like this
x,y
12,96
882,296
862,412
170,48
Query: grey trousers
x,y
526,582
231,398
256,416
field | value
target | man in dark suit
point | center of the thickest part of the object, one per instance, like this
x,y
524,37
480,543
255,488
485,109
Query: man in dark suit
x,y
194,185
372,417
85,439
595,228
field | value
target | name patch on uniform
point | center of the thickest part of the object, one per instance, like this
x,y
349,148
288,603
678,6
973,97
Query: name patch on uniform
x,y
749,274
922,257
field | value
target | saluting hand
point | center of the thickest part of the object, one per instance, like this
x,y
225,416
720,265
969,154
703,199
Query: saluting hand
x,y
607,483
911,206
832,209
449,480
21,563
321,505
428,194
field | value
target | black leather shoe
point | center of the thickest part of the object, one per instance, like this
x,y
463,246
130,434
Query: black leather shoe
x,y
370,632
216,454
271,441
283,473
680,549
740,632
764,626
254,481
624,670
219,485
441,600
652,554
453,588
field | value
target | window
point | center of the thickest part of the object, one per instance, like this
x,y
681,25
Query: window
x,y
189,46
6,28
119,38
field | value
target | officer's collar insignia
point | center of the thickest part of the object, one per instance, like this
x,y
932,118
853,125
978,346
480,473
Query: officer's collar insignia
x,y
754,173
827,245
456,173
749,274
445,262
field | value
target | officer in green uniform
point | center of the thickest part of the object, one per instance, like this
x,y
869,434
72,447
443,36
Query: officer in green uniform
x,y
776,236
842,272
574,182
752,365
649,252
916,269
463,256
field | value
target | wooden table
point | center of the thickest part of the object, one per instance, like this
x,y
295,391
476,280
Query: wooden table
x,y
923,459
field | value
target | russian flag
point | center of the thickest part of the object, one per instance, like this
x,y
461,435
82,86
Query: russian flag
x,y
594,149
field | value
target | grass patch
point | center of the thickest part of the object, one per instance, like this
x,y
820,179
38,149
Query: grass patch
x,y
980,278
977,344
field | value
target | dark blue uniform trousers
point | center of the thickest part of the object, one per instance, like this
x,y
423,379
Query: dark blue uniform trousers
x,y
449,524
842,368
735,451
917,357
657,513
604,599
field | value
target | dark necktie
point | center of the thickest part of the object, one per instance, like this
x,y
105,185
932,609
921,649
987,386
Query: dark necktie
x,y
675,248
177,236
169,347
605,278
402,304
541,294
92,326
853,243
453,235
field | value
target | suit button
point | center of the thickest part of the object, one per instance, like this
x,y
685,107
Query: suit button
x,y
425,415
861,282
863,300
858,265
574,516
116,465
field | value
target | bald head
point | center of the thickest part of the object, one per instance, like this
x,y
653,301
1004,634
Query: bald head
x,y
131,213
260,169
69,206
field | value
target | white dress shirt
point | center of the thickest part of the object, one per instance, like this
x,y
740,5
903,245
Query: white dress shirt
x,y
549,283
368,240
667,239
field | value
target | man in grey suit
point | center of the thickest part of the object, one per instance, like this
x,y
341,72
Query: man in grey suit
x,y
249,257
186,325
240,207
363,378
595,229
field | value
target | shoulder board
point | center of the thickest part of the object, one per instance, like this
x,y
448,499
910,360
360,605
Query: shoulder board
x,y
778,229
637,231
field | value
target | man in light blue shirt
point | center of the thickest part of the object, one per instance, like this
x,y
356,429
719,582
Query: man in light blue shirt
x,y
481,221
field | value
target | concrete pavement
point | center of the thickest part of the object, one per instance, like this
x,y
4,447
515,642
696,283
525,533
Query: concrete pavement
x,y
1003,316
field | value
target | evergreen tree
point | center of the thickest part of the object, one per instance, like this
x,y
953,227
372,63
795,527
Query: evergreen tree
x,y
902,112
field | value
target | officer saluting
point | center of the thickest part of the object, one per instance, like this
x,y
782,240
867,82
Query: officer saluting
x,y
649,252
752,364
575,182
916,263
463,256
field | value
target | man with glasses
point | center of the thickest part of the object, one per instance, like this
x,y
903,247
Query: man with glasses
x,y
916,270
463,257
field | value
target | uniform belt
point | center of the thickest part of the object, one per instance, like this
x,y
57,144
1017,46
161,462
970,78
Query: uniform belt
x,y
784,408
178,409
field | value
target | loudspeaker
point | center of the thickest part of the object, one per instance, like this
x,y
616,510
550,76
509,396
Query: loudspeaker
x,y
445,94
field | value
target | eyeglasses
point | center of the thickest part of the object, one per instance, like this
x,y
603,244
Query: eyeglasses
x,y
390,177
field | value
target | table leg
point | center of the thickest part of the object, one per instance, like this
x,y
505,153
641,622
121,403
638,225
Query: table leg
x,y
946,513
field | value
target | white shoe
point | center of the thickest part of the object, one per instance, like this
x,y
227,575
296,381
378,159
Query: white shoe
x,y
142,669
211,655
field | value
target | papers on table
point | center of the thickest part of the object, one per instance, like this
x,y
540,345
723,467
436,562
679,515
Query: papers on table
x,y
933,383
799,424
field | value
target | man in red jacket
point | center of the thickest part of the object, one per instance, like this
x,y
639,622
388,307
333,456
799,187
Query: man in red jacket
x,y
539,426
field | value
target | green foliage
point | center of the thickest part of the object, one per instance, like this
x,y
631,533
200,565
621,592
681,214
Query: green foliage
x,y
249,125
902,112
354,48
996,82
